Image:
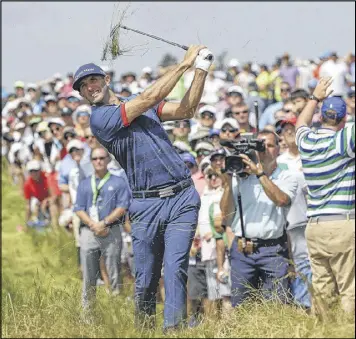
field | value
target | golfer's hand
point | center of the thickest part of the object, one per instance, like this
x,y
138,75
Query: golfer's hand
x,y
322,90
192,54
251,167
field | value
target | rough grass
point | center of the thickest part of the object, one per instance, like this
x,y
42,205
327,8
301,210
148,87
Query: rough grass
x,y
41,295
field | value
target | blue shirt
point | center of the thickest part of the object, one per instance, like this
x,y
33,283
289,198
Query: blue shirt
x,y
262,218
142,147
267,117
114,194
67,164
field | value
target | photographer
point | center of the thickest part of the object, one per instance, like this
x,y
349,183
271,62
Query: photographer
x,y
328,160
258,251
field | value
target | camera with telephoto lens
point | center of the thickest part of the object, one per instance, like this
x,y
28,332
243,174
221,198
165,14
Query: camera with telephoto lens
x,y
234,163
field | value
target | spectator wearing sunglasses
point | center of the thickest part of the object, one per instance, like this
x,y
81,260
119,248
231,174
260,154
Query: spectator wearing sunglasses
x,y
229,129
181,131
66,115
101,204
267,117
206,119
38,195
203,149
74,100
241,113
217,160
234,96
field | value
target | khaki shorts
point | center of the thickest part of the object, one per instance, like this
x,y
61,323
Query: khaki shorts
x,y
331,246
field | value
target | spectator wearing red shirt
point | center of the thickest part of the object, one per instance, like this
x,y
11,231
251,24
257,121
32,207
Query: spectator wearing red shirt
x,y
38,194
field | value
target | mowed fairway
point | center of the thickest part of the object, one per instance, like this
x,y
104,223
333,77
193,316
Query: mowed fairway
x,y
41,295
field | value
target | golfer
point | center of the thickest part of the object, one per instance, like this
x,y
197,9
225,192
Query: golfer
x,y
165,203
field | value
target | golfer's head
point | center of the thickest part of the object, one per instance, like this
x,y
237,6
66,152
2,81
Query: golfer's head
x,y
92,83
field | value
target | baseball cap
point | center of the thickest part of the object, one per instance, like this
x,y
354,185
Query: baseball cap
x,y
57,121
235,90
65,111
333,108
19,84
42,127
351,92
147,69
75,143
281,123
84,71
82,109
220,151
48,98
214,131
31,86
234,63
35,120
19,125
188,157
33,165
207,108
73,95
312,83
204,145
204,163
227,121
181,146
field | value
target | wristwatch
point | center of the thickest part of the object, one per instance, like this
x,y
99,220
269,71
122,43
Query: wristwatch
x,y
260,175
313,97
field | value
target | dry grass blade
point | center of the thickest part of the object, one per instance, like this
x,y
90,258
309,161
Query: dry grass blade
x,y
113,47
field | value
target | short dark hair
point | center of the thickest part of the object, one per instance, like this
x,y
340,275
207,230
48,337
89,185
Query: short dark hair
x,y
331,122
268,132
299,93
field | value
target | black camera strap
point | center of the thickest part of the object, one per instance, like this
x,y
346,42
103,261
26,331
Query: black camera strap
x,y
239,202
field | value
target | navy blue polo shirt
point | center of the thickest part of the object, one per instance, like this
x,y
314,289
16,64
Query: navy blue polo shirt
x,y
141,147
114,194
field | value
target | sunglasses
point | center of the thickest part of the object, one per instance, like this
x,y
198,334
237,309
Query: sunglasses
x,y
98,158
34,171
207,115
182,124
69,135
287,110
212,175
231,130
285,89
89,136
203,152
238,113
55,129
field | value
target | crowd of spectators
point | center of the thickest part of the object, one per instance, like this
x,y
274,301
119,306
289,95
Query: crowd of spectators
x,y
47,141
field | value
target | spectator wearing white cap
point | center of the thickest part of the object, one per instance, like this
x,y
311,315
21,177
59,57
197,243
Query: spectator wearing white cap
x,y
58,151
232,70
38,195
234,96
74,100
51,107
81,119
146,78
203,149
19,87
181,131
206,119
229,129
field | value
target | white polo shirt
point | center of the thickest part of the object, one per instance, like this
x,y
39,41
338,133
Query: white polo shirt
x,y
262,218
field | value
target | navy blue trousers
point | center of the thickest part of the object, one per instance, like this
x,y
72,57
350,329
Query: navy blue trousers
x,y
265,269
163,230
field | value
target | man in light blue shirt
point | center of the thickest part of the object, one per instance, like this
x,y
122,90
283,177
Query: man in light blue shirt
x,y
259,256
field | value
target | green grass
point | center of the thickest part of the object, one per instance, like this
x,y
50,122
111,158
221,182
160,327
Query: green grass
x,y
41,295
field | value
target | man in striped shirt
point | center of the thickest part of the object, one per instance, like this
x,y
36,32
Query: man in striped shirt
x,y
328,160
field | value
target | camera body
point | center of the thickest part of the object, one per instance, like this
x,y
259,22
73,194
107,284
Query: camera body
x,y
234,163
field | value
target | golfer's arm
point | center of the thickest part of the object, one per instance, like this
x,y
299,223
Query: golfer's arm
x,y
154,94
305,118
189,104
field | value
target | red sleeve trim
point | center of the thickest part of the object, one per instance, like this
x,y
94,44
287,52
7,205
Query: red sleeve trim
x,y
124,116
160,108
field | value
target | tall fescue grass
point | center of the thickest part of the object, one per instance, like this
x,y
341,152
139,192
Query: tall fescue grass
x,y
41,292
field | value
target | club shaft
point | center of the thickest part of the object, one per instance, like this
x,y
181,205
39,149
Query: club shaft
x,y
151,36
